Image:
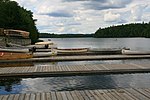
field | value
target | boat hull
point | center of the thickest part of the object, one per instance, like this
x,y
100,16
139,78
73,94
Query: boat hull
x,y
106,50
14,56
130,52
72,51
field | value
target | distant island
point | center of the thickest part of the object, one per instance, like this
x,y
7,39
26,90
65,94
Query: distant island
x,y
120,31
128,30
49,35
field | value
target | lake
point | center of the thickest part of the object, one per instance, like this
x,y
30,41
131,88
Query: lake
x,y
67,83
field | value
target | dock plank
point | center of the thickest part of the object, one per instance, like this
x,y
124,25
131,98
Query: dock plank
x,y
48,96
73,69
78,58
38,96
11,97
106,94
137,94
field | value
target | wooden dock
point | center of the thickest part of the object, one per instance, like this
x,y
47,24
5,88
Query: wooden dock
x,y
60,70
79,58
109,94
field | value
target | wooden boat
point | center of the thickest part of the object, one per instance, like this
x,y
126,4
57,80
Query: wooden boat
x,y
14,55
29,64
135,52
71,50
106,50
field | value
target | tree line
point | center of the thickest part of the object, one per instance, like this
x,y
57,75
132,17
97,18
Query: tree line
x,y
48,35
13,16
128,30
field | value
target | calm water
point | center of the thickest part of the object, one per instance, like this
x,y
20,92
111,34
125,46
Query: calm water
x,y
46,84
133,43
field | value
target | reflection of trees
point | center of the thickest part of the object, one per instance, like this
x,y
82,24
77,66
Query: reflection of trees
x,y
81,82
7,83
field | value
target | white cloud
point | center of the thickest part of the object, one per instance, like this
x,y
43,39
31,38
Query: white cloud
x,y
111,17
85,16
137,12
61,29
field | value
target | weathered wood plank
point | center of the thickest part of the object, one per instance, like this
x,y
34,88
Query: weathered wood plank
x,y
11,97
5,97
48,96
32,96
84,95
78,95
107,94
69,96
111,95
27,97
38,96
143,92
78,58
21,97
137,94
59,96
43,96
73,69
53,95
16,97
63,95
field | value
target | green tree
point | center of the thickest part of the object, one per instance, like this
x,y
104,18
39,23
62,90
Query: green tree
x,y
12,16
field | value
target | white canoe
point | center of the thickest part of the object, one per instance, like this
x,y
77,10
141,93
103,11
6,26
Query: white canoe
x,y
44,43
43,54
105,50
15,50
135,52
71,50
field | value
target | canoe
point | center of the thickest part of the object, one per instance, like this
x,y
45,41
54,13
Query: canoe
x,y
43,54
14,55
44,43
135,52
14,50
106,50
71,50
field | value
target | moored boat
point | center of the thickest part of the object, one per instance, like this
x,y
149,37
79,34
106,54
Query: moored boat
x,y
43,54
14,55
106,50
43,45
135,52
15,50
71,50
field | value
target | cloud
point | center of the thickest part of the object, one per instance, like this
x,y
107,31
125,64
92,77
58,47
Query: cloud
x,y
59,14
83,0
111,17
102,4
85,16
137,12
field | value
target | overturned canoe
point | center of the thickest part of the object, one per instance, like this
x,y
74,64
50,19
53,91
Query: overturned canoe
x,y
15,50
135,52
71,50
43,54
105,50
14,55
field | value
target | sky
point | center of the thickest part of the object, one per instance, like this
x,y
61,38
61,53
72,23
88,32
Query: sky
x,y
85,16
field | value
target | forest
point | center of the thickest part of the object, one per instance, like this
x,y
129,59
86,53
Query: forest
x,y
128,30
48,35
13,16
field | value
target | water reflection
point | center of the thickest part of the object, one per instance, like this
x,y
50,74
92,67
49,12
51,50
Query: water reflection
x,y
47,84
10,85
